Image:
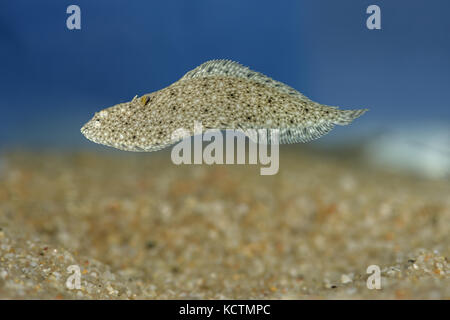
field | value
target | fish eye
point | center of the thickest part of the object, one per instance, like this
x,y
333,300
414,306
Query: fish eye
x,y
144,100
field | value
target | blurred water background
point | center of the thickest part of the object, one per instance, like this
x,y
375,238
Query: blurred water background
x,y
53,79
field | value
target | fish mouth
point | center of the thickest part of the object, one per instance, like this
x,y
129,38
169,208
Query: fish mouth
x,y
87,136
88,132
85,132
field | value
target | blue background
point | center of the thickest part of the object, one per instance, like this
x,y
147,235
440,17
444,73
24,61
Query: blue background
x,y
53,79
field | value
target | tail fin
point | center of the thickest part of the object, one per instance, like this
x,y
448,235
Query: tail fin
x,y
344,117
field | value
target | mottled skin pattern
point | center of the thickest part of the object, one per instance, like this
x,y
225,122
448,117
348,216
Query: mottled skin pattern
x,y
218,102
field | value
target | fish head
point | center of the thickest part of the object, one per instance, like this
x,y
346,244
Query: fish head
x,y
119,126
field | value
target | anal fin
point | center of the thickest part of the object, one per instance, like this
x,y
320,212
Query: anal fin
x,y
304,134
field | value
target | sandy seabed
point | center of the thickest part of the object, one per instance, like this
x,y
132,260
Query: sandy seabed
x,y
139,227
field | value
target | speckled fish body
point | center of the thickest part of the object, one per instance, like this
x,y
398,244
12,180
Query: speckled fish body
x,y
220,94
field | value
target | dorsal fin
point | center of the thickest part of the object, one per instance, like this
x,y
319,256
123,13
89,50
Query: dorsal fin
x,y
214,68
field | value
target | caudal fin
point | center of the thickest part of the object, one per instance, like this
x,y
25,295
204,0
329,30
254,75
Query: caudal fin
x,y
344,117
